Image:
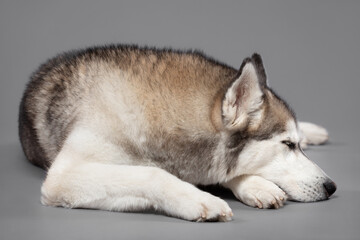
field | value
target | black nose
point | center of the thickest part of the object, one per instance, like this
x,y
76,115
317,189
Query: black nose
x,y
330,187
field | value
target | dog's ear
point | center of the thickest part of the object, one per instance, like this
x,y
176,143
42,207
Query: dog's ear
x,y
260,70
244,98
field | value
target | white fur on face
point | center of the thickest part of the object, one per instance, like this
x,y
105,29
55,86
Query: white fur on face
x,y
291,170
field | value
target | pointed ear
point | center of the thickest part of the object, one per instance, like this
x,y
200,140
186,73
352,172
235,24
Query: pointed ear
x,y
260,70
243,98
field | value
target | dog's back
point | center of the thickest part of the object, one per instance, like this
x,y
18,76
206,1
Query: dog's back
x,y
158,90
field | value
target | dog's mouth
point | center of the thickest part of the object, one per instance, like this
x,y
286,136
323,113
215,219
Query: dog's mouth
x,y
304,192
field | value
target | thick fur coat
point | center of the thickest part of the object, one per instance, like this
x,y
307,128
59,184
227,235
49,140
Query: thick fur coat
x,y
128,128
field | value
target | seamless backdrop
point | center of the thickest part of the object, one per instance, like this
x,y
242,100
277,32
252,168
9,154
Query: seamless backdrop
x,y
311,53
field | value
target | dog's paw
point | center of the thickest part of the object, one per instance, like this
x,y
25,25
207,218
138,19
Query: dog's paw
x,y
264,197
312,134
214,209
257,192
202,206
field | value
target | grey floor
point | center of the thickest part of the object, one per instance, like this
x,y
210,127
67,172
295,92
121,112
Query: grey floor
x,y
312,55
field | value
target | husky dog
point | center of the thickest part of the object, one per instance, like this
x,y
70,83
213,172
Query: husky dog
x,y
124,128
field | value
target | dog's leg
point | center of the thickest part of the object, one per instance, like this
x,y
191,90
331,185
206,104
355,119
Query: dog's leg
x,y
256,191
312,134
75,182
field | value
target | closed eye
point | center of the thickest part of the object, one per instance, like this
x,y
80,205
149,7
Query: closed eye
x,y
290,144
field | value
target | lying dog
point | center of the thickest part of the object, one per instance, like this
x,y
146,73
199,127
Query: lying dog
x,y
124,128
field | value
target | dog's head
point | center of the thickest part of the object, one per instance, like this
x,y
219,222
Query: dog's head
x,y
263,137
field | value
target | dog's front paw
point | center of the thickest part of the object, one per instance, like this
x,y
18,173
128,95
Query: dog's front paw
x,y
213,209
312,134
257,192
201,206
264,197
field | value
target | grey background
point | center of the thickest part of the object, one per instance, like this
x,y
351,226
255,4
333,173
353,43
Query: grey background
x,y
311,52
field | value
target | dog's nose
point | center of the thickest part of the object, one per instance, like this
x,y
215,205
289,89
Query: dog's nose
x,y
330,187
